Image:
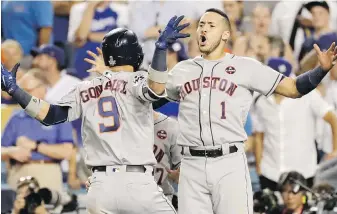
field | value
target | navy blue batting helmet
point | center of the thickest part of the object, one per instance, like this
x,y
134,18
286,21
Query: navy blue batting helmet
x,y
121,47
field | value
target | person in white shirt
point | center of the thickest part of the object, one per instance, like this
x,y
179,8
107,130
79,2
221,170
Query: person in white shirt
x,y
289,16
50,59
329,93
285,132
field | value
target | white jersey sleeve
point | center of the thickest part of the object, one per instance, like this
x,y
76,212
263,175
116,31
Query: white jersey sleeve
x,y
140,89
73,101
262,78
318,105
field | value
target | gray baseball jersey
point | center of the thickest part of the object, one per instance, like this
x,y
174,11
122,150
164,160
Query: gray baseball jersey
x,y
215,97
117,118
166,150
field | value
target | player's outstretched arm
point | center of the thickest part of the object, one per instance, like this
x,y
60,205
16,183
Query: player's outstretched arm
x,y
44,112
158,74
305,83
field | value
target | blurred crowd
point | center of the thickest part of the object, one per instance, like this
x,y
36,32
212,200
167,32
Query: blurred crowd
x,y
51,39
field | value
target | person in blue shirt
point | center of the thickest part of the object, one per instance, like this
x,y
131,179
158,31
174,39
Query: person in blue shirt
x,y
28,22
89,22
33,149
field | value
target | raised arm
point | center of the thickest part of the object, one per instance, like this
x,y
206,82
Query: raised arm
x,y
41,110
306,82
158,74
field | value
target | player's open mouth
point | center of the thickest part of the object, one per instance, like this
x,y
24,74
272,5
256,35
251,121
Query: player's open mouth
x,y
203,40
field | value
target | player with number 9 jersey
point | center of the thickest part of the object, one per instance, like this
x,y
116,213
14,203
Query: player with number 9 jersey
x,y
117,119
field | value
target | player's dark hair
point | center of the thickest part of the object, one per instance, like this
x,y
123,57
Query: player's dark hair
x,y
221,13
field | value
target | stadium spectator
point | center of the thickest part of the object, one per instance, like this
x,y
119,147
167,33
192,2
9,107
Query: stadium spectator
x,y
261,22
234,9
292,21
24,187
293,196
28,22
322,31
50,60
261,19
11,53
89,22
60,28
259,48
324,133
32,148
285,132
148,17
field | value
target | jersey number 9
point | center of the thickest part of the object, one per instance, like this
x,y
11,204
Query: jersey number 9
x,y
107,107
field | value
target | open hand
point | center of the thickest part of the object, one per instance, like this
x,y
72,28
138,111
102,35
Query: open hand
x,y
328,58
8,79
98,64
171,33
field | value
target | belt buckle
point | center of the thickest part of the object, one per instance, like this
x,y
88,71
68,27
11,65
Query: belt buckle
x,y
206,153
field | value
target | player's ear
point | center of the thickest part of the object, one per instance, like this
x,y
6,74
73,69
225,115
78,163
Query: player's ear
x,y
226,36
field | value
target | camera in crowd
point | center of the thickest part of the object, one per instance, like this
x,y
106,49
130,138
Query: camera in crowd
x,y
294,196
37,197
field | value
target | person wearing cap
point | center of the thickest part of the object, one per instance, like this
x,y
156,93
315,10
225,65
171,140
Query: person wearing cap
x,y
31,148
50,60
320,11
292,21
285,131
293,195
28,22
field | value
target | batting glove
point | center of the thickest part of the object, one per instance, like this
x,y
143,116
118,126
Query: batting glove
x,y
8,79
171,33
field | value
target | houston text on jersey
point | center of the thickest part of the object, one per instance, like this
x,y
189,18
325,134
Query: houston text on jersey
x,y
213,82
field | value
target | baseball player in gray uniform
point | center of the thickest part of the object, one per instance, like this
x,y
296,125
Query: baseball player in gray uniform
x,y
215,91
168,154
117,127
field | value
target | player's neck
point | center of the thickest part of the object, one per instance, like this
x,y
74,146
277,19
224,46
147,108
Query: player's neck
x,y
127,68
218,53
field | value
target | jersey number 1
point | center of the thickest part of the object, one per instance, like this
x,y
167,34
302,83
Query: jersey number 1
x,y
112,112
223,110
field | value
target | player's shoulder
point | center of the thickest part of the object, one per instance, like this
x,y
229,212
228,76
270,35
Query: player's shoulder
x,y
242,59
184,65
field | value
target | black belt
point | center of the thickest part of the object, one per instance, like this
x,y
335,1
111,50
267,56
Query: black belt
x,y
213,153
129,168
